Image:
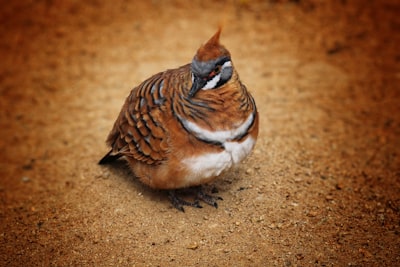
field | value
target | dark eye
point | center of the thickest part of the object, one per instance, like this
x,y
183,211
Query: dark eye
x,y
215,71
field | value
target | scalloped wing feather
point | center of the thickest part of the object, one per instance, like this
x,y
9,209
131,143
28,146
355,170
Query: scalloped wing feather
x,y
138,131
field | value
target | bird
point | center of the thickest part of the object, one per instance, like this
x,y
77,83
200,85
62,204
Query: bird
x,y
181,128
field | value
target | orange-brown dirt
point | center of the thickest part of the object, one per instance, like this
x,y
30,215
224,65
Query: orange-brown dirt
x,y
322,187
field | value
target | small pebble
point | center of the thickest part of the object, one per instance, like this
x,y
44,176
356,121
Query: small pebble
x,y
249,171
312,213
192,246
106,175
298,180
25,179
338,186
365,252
329,197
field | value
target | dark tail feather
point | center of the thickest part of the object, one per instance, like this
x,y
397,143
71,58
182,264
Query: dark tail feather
x,y
108,158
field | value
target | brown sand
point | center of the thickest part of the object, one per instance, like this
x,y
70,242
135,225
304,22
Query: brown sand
x,y
322,187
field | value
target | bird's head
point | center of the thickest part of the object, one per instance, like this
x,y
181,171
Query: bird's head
x,y
211,66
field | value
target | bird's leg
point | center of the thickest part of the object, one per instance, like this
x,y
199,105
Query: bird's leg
x,y
178,202
210,200
199,194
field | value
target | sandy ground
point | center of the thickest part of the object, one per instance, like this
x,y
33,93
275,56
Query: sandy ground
x,y
322,187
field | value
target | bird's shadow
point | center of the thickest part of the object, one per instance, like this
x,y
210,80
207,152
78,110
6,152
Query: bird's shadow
x,y
120,169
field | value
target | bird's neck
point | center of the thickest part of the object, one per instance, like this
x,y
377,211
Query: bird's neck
x,y
221,109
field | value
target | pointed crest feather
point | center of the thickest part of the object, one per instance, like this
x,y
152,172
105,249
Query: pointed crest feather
x,y
212,49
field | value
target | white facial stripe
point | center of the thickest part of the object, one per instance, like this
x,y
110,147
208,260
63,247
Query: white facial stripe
x,y
218,136
227,64
214,81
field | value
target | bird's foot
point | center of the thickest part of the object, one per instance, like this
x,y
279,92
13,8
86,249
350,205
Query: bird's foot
x,y
178,202
199,194
206,198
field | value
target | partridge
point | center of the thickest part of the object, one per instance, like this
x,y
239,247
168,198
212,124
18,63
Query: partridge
x,y
183,127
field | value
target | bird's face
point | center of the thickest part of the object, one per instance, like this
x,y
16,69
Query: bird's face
x,y
211,74
211,66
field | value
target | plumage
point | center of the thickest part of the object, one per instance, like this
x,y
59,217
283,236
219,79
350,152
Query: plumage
x,y
182,127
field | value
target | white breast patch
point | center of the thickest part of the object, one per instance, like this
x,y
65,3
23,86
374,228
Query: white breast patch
x,y
221,136
212,164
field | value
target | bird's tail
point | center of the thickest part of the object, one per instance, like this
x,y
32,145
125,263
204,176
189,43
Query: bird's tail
x,y
108,158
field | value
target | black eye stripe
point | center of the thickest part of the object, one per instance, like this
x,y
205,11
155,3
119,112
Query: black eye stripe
x,y
203,69
222,60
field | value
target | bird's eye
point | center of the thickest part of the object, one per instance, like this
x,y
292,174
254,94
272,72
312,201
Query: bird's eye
x,y
217,69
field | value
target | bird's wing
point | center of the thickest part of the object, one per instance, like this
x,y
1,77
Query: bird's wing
x,y
138,131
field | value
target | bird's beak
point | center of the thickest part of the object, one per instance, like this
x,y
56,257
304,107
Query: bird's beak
x,y
198,83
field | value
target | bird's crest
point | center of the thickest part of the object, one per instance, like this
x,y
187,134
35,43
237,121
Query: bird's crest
x,y
212,49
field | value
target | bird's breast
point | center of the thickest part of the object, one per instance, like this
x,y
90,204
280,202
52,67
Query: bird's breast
x,y
205,166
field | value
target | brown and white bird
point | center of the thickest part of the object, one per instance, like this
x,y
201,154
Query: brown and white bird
x,y
183,127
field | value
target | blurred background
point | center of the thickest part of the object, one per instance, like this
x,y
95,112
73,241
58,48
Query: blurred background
x,y
321,188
